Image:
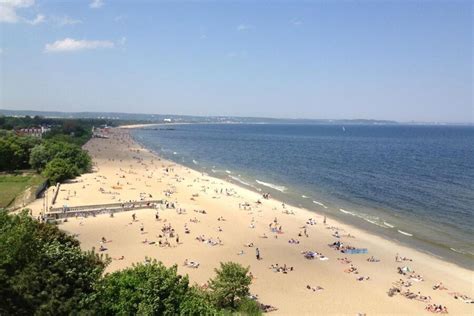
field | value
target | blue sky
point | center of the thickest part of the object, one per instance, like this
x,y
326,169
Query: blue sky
x,y
400,60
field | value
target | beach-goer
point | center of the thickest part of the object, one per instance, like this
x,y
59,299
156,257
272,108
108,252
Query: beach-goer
x,y
257,253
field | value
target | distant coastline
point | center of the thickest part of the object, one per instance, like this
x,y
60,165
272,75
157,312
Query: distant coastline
x,y
143,118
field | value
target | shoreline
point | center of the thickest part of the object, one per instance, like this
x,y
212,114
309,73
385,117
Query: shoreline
x,y
287,292
396,234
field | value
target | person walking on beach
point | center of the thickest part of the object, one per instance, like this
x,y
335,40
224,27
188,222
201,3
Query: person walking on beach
x,y
133,216
324,221
257,253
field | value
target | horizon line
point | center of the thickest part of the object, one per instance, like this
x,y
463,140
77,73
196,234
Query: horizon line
x,y
251,117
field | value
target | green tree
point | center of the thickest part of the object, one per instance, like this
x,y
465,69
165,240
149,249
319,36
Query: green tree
x,y
149,289
72,153
39,157
42,270
15,151
58,170
230,285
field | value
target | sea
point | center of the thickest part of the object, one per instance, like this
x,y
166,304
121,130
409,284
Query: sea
x,y
410,183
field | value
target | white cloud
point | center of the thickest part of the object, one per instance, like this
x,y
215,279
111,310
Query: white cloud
x,y
9,14
244,27
297,22
39,19
122,41
65,20
95,4
72,45
119,18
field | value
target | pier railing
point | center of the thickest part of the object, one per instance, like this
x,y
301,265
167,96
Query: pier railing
x,y
69,211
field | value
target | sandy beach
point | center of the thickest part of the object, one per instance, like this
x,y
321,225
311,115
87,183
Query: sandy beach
x,y
214,220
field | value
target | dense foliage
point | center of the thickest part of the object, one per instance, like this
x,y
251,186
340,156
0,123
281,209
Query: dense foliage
x,y
58,154
15,151
76,131
44,272
231,285
149,289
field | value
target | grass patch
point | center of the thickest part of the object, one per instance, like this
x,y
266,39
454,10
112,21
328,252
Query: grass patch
x,y
11,185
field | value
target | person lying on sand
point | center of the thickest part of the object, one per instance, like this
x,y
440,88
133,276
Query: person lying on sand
x,y
462,297
315,289
402,283
119,258
351,269
191,264
372,259
311,221
437,309
267,308
344,260
284,269
416,277
439,286
348,236
361,278
400,259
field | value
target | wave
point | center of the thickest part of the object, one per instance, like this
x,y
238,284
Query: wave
x,y
365,217
319,203
214,170
195,162
459,251
228,171
404,233
175,153
347,212
273,186
304,197
388,225
373,222
240,181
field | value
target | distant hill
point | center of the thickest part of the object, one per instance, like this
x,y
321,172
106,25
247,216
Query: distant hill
x,y
156,118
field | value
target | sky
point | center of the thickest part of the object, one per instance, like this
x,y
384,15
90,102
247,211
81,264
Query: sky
x,y
395,60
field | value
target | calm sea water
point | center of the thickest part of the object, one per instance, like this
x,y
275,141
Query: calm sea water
x,y
414,184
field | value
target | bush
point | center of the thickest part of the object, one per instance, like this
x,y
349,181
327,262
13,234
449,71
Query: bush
x,y
39,157
230,286
15,152
149,289
249,307
42,270
58,170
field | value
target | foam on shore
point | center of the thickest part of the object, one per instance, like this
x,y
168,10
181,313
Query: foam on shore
x,y
280,188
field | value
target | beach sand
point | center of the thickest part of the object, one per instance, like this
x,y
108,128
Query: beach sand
x,y
125,171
